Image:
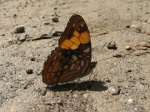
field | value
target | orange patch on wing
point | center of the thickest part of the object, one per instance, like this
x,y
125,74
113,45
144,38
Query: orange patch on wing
x,y
64,47
82,39
75,33
74,46
75,40
84,36
67,43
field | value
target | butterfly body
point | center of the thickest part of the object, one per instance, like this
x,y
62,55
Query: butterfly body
x,y
72,59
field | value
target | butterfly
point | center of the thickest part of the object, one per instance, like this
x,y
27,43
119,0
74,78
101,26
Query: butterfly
x,y
72,58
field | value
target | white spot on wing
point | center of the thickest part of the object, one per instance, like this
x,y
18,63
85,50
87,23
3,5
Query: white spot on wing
x,y
86,50
72,66
82,62
74,57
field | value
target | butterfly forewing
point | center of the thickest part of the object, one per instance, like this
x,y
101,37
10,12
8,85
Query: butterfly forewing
x,y
72,58
76,33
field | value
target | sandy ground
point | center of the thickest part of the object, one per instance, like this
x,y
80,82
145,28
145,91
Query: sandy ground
x,y
126,69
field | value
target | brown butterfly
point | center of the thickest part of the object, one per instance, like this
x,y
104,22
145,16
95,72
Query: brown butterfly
x,y
72,59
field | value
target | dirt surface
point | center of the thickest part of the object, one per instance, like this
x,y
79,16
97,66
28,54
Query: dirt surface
x,y
123,71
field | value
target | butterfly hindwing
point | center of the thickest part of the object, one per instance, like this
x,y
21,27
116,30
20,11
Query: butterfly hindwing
x,y
73,57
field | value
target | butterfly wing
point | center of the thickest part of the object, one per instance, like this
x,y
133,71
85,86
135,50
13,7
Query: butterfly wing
x,y
73,57
75,34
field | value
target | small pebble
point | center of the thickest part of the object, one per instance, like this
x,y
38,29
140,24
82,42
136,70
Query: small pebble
x,y
134,26
19,29
131,101
15,15
29,71
111,45
59,102
107,80
55,19
46,23
114,90
2,34
128,47
22,37
52,44
57,33
139,109
129,70
128,26
138,30
147,12
86,96
75,96
42,16
32,59
118,55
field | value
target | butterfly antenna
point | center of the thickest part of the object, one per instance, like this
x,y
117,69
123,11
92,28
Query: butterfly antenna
x,y
95,62
101,50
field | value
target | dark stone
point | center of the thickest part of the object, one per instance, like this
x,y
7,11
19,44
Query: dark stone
x,y
29,71
19,29
55,19
57,33
112,45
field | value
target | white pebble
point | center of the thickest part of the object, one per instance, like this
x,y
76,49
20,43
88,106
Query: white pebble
x,y
85,96
113,90
128,47
131,101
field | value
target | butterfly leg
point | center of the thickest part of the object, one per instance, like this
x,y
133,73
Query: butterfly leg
x,y
77,82
92,66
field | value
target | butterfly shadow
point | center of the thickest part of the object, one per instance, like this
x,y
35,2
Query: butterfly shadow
x,y
93,85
